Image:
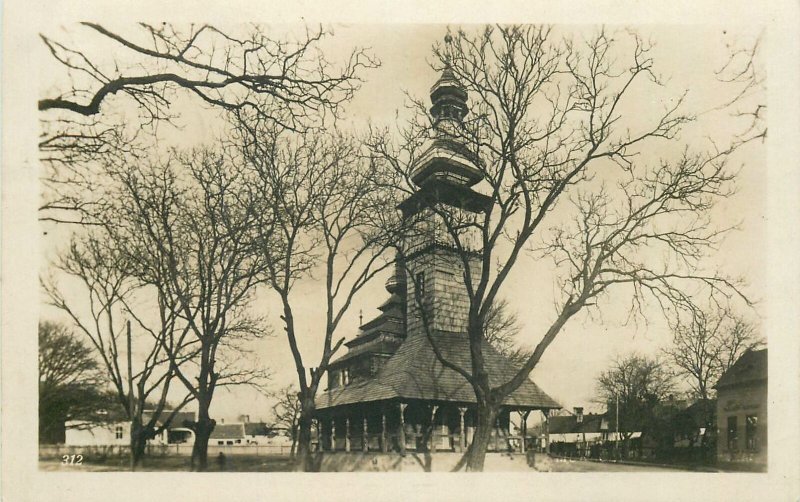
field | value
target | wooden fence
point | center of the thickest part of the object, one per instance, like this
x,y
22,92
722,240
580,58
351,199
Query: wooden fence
x,y
58,450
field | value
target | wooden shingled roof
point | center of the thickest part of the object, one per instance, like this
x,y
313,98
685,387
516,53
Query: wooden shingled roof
x,y
590,423
414,372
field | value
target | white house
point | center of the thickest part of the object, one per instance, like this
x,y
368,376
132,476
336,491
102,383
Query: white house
x,y
115,433
81,433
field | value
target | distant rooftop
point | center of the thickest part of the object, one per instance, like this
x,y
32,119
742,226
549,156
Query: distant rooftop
x,y
228,431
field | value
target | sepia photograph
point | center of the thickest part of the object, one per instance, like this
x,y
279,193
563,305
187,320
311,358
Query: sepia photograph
x,y
416,247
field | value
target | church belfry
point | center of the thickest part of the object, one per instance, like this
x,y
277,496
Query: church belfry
x,y
390,386
445,176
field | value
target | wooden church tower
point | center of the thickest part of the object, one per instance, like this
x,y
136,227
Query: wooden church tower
x,y
389,392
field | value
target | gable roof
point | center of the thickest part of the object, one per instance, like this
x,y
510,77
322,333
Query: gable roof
x,y
414,372
228,431
568,424
177,421
751,367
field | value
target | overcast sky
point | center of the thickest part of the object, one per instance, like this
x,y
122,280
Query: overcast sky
x,y
567,371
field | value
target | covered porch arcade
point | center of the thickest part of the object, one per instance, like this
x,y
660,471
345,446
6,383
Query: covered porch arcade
x,y
414,425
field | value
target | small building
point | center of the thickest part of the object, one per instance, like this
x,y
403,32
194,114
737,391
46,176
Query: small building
x,y
228,435
259,433
114,433
578,434
117,431
742,410
593,435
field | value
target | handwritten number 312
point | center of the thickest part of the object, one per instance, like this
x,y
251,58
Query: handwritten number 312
x,y
72,459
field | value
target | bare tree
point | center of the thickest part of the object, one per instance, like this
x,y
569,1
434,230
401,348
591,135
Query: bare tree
x,y
321,197
502,329
89,142
548,129
105,277
120,86
286,412
744,72
707,345
637,384
187,226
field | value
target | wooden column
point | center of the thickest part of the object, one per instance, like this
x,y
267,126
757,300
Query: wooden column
x,y
546,414
384,441
347,434
333,435
365,439
319,434
462,439
523,426
431,441
403,428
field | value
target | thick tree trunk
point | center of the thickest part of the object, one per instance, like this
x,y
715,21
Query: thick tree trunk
x,y
202,431
138,443
476,453
303,459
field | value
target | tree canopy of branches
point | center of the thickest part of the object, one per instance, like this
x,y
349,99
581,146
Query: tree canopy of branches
x,y
286,413
744,72
322,198
70,385
639,384
119,84
112,295
502,329
567,159
707,345
187,225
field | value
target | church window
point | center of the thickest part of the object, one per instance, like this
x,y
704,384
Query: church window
x,y
421,283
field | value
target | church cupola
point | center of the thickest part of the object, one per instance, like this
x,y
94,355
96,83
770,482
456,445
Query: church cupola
x,y
448,159
449,98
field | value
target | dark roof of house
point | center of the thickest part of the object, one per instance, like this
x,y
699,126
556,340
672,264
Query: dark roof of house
x,y
177,421
751,367
228,431
414,372
569,423
256,429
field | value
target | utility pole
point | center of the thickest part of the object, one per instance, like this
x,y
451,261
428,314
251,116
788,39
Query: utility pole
x,y
130,393
616,440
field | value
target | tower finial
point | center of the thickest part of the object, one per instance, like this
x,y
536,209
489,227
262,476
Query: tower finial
x,y
448,40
